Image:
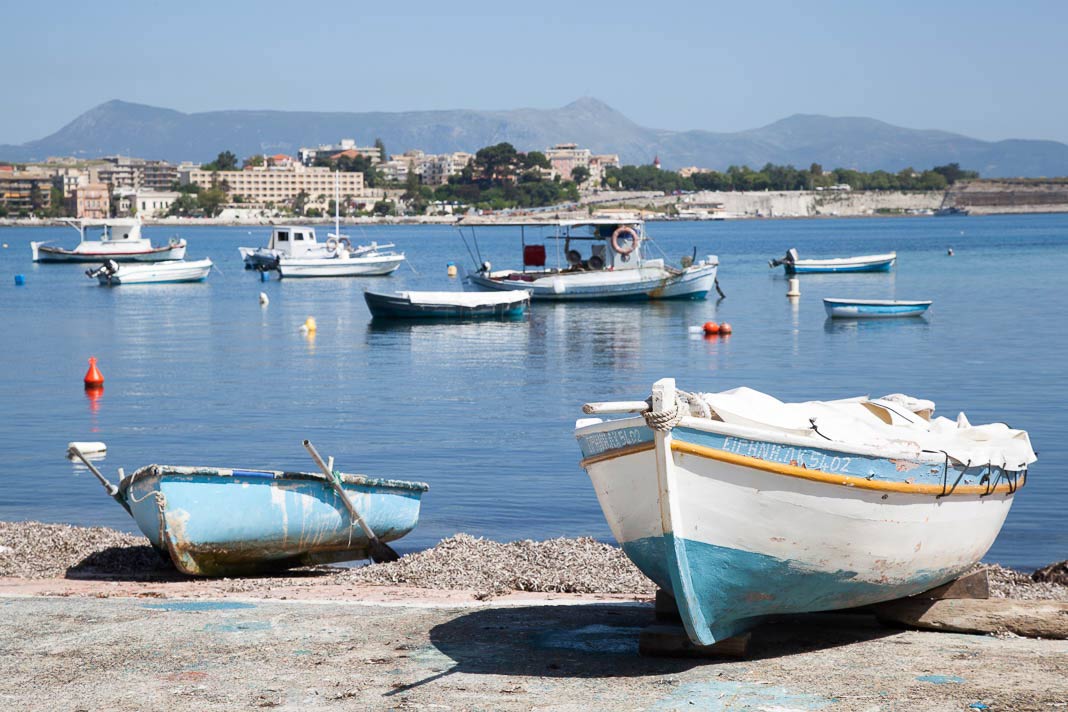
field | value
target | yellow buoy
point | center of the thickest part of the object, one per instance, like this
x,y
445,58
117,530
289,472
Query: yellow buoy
x,y
452,270
309,324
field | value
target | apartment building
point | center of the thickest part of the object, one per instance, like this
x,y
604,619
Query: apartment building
x,y
24,191
136,173
89,200
566,157
436,170
346,145
277,185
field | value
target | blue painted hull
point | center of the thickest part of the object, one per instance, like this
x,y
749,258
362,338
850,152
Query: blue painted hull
x,y
876,267
737,590
236,522
873,309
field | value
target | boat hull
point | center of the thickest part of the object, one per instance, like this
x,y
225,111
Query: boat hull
x,y
44,253
871,263
873,309
216,522
735,534
374,266
163,273
630,284
389,306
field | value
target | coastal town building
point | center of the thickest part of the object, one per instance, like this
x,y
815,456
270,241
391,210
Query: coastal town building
x,y
147,203
137,173
285,184
89,200
564,158
436,170
345,146
24,191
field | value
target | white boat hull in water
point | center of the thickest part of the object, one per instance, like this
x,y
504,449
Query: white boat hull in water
x,y
157,273
650,281
339,266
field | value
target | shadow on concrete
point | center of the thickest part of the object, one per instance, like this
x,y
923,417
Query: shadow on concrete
x,y
601,641
146,563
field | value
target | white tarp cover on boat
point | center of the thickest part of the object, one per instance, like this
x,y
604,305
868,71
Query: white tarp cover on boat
x,y
891,424
464,299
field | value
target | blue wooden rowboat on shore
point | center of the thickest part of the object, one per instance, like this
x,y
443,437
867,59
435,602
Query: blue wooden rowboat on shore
x,y
448,305
873,308
226,522
864,263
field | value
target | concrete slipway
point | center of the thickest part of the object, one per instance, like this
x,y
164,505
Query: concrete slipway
x,y
126,645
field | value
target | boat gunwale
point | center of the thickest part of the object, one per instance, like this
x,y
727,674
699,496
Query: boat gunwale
x,y
160,471
838,301
859,259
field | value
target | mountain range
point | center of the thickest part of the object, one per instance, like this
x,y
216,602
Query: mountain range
x,y
123,128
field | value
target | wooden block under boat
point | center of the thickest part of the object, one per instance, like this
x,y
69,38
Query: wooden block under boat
x,y
671,641
1031,619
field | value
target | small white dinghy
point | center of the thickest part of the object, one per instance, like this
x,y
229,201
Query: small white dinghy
x,y
111,273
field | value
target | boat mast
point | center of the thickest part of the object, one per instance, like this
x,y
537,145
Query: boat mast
x,y
337,203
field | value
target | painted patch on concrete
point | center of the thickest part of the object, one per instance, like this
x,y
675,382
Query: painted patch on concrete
x,y
236,626
940,679
721,696
198,606
615,640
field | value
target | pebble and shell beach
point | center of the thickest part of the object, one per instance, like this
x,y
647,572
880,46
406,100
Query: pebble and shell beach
x,y
33,550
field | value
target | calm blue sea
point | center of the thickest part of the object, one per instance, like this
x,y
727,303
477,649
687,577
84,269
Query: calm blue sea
x,y
203,375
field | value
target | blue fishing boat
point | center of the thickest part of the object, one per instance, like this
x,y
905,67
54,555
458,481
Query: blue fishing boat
x,y
226,522
873,308
447,305
865,263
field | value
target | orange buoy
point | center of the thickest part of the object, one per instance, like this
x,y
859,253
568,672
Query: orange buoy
x,y
93,377
725,328
712,327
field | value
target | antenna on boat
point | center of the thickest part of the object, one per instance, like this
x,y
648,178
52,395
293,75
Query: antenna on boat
x,y
337,204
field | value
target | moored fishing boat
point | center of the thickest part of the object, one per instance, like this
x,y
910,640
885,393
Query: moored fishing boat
x,y
615,267
864,263
120,240
743,507
111,274
447,305
873,308
224,522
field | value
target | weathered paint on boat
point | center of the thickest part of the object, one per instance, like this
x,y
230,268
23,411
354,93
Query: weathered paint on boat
x,y
646,283
738,528
222,522
874,308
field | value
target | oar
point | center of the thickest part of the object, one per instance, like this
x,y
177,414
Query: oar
x,y
111,489
380,552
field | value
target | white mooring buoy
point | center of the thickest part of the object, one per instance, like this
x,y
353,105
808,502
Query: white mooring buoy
x,y
795,288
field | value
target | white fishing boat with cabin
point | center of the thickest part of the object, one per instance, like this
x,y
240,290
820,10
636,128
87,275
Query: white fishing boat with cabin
x,y
597,259
120,240
743,507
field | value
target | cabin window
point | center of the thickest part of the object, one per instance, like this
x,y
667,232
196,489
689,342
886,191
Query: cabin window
x,y
283,237
298,236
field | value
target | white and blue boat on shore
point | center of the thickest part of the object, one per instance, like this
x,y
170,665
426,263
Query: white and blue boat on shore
x,y
743,507
864,263
596,259
873,308
226,522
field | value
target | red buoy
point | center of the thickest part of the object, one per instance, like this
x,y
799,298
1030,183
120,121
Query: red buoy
x,y
725,328
711,327
93,377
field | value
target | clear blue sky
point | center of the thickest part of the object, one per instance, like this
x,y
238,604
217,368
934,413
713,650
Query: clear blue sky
x,y
991,70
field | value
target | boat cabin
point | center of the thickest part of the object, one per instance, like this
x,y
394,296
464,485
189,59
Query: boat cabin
x,y
573,246
114,230
293,241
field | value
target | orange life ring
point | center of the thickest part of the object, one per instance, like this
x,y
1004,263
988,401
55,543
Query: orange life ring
x,y
621,231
